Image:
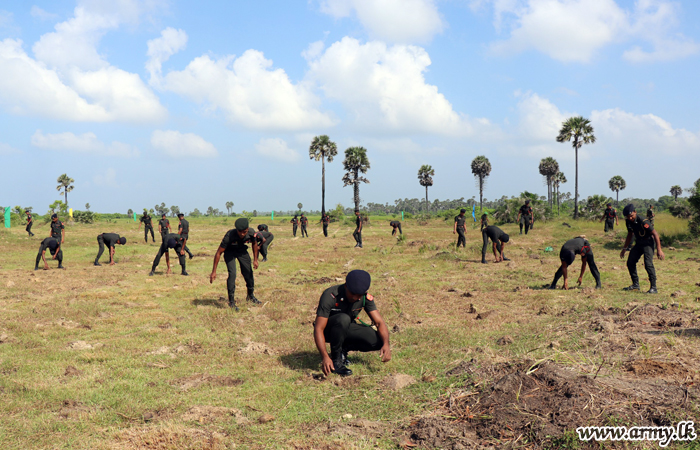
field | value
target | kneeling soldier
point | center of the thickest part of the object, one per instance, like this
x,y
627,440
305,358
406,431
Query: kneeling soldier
x,y
567,255
499,239
336,324
234,247
110,239
645,239
175,242
55,248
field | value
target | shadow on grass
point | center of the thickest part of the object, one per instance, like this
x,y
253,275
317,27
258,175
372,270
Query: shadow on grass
x,y
613,245
301,360
219,303
684,332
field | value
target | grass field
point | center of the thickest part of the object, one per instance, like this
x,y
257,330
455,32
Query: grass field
x,y
107,357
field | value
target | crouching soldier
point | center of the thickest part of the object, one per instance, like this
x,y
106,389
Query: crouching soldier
x,y
176,242
336,324
111,240
567,255
54,248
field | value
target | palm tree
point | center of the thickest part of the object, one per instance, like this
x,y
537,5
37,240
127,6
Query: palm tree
x,y
425,178
299,206
580,130
481,168
229,205
355,162
324,149
676,191
558,179
617,184
548,168
87,206
66,183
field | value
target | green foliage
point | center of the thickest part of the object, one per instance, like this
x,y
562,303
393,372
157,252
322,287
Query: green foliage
x,y
681,209
84,216
58,207
196,213
694,200
507,211
594,206
337,215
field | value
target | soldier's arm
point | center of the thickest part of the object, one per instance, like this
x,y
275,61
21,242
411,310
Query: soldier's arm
x,y
454,229
627,243
43,258
111,256
255,253
659,252
383,331
584,260
184,242
320,340
217,257
167,260
495,254
503,247
63,235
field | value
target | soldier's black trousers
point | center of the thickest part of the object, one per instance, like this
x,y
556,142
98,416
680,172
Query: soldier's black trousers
x,y
591,265
59,258
325,229
486,238
609,224
461,238
243,258
146,228
101,243
393,232
635,254
29,228
263,248
527,221
294,230
163,250
357,234
303,231
344,334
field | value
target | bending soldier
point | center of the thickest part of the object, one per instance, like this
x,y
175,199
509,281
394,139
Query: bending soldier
x,y
54,248
567,255
396,225
177,243
263,244
111,240
499,239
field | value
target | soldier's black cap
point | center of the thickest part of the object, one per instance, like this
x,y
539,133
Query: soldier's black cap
x,y
53,245
162,215
122,240
261,227
462,210
609,204
527,201
242,224
357,210
180,215
358,281
172,243
54,216
628,210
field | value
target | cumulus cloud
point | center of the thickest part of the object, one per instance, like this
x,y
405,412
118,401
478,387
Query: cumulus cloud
x,y
69,79
182,145
161,49
86,143
6,149
402,21
41,14
249,92
575,30
277,149
383,88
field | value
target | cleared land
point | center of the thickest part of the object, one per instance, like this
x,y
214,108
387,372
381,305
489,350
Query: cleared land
x,y
107,357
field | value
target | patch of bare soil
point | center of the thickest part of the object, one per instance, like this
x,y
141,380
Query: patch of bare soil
x,y
199,379
169,437
71,409
398,381
357,428
210,414
257,348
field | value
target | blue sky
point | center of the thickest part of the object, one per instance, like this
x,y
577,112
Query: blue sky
x,y
199,103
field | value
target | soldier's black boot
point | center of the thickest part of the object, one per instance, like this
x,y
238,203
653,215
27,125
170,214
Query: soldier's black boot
x,y
483,261
264,259
191,255
184,272
36,267
97,264
339,366
60,266
634,287
232,304
251,298
153,272
652,290
344,355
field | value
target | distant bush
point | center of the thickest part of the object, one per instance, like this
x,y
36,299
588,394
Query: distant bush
x,y
681,209
84,216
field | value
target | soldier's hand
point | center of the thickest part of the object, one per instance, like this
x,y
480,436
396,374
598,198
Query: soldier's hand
x,y
327,365
182,252
660,254
622,253
46,266
212,277
579,281
566,285
255,264
112,263
54,256
385,353
169,271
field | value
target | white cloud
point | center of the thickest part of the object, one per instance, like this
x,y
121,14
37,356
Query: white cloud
x,y
161,49
108,178
249,92
182,145
393,20
6,149
575,30
86,143
6,18
277,149
383,88
41,14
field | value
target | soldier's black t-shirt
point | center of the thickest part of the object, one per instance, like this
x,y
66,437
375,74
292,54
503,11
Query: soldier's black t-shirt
x,y
56,228
326,220
573,247
294,221
526,210
334,301
461,221
304,220
610,214
178,239
29,218
395,223
110,239
642,229
650,213
45,244
184,226
146,220
358,221
164,224
232,241
493,232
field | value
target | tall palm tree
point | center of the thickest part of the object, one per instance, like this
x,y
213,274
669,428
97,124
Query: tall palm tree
x,y
324,149
579,130
355,162
676,191
481,168
229,205
66,183
558,179
548,168
617,184
425,178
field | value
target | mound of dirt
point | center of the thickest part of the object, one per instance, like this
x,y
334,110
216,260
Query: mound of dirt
x,y
169,437
210,414
257,348
398,381
199,379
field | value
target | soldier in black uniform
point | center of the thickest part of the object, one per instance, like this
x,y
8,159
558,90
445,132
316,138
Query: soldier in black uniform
x,y
295,223
164,227
267,238
567,255
147,222
55,248
183,229
30,222
610,217
325,219
109,239
357,234
499,239
460,227
650,214
233,246
57,231
645,238
176,242
304,221
336,324
396,225
484,221
525,217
